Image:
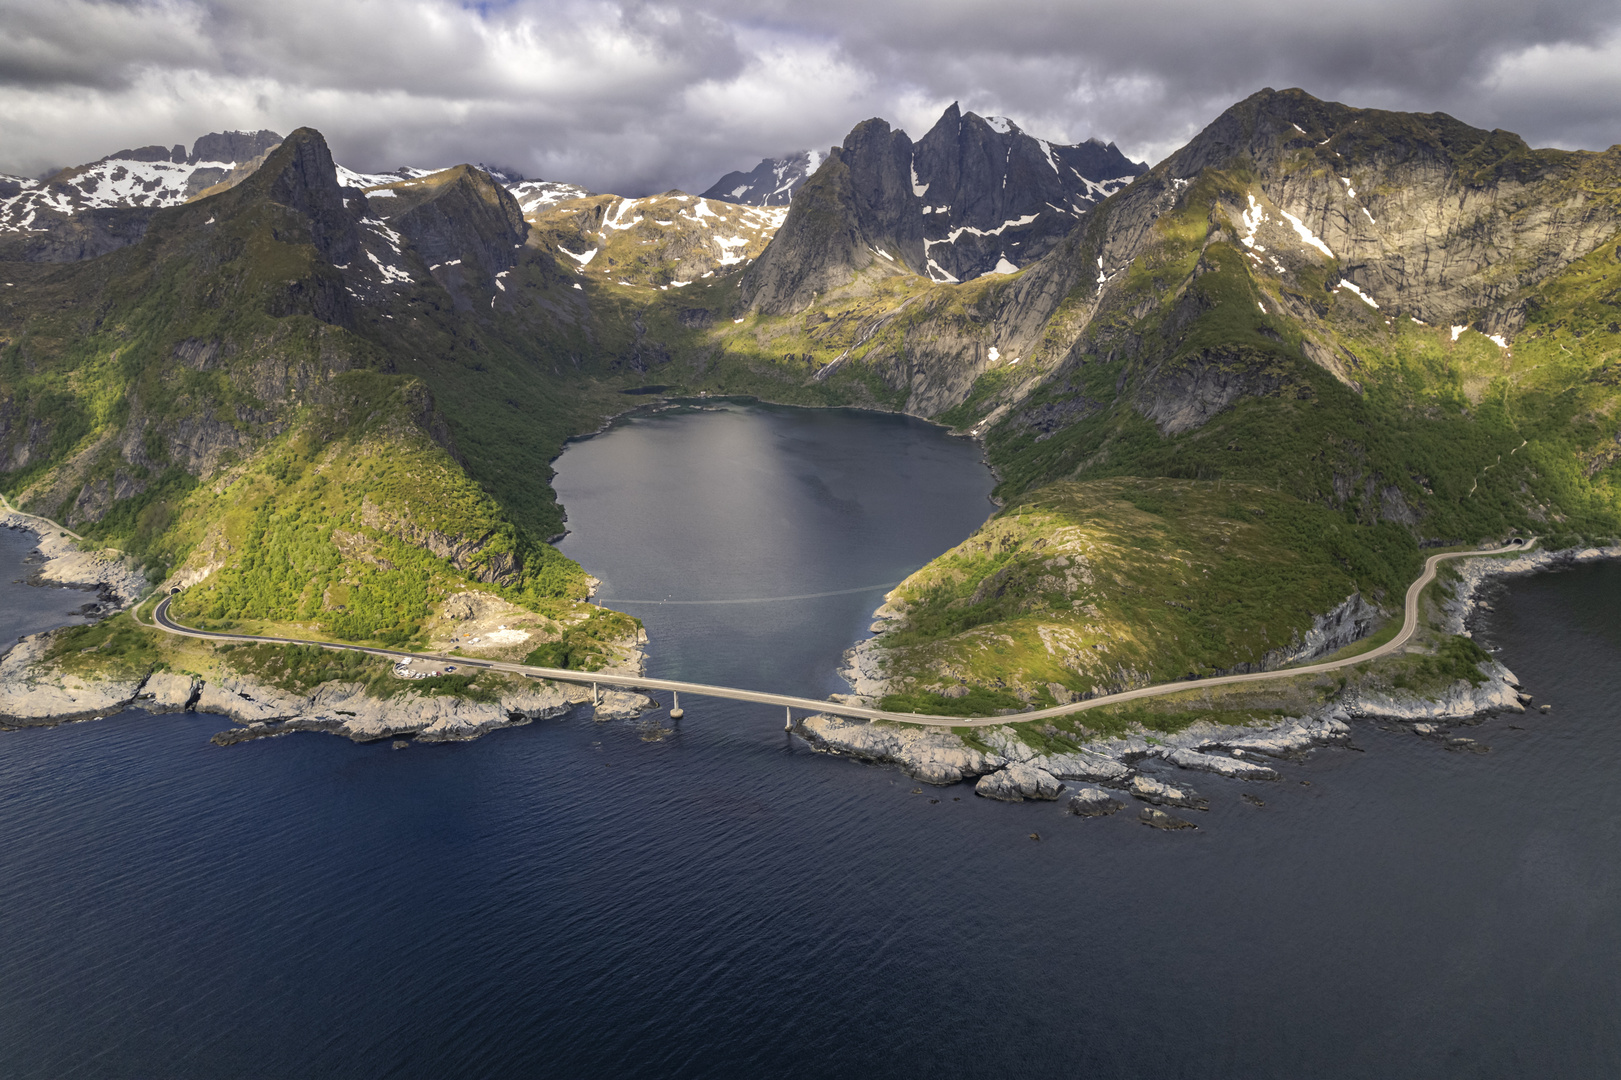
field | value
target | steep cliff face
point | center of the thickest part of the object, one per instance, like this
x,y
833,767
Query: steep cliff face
x,y
996,199
973,197
1426,215
1286,230
821,246
459,216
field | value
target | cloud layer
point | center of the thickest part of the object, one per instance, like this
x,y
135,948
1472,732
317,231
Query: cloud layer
x,y
639,97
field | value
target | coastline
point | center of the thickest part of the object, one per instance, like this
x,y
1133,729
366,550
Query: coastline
x,y
119,581
35,692
1007,767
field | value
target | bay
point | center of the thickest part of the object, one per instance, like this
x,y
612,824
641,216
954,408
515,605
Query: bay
x,y
569,899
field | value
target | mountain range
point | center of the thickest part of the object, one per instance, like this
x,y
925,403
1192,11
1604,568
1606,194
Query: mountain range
x,y
1336,334
770,183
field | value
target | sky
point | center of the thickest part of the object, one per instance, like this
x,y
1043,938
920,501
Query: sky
x,y
635,98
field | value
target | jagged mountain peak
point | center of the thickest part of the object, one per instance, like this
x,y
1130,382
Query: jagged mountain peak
x,y
969,198
770,183
232,147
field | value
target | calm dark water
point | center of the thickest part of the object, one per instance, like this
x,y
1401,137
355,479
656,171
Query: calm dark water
x,y
28,609
566,899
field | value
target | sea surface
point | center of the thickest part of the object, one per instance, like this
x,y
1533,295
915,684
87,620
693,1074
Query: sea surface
x,y
581,899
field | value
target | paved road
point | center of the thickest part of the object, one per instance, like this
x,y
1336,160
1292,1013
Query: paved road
x,y
161,618
5,504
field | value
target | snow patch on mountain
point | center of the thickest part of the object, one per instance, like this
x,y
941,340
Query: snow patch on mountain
x,y
1350,286
770,183
1305,234
533,195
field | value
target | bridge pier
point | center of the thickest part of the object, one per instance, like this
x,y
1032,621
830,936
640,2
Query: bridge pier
x,y
596,699
675,710
788,718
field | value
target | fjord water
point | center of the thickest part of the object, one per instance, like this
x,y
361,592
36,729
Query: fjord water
x,y
568,899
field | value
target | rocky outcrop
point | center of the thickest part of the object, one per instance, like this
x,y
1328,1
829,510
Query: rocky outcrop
x,y
1221,765
1499,692
1159,819
973,196
1474,574
1350,621
1093,802
168,692
476,556
301,176
1292,737
621,705
85,235
770,183
33,692
90,210
1160,793
933,756
1018,782
121,582
1427,206
457,218
996,199
343,709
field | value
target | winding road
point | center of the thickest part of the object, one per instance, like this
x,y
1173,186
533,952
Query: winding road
x,y
162,621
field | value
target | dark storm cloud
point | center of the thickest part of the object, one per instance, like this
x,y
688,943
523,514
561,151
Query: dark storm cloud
x,y
638,97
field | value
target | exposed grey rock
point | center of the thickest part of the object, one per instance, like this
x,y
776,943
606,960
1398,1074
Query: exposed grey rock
x,y
1083,765
66,564
344,709
247,701
1093,802
1459,701
1018,782
1220,765
465,216
973,196
622,705
167,692
1293,737
1475,573
933,756
770,183
1330,632
1160,793
1159,819
1077,765
34,693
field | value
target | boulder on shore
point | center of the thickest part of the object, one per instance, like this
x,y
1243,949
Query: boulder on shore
x,y
1018,782
1150,790
1159,819
1219,764
932,756
1093,802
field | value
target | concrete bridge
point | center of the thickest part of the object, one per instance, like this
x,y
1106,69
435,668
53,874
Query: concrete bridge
x,y
789,702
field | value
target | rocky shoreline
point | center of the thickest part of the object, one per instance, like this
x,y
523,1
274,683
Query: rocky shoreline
x,y
36,693
1002,765
115,576
1011,770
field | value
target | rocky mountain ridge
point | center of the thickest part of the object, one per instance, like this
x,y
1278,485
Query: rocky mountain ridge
x,y
1334,333
974,196
770,183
